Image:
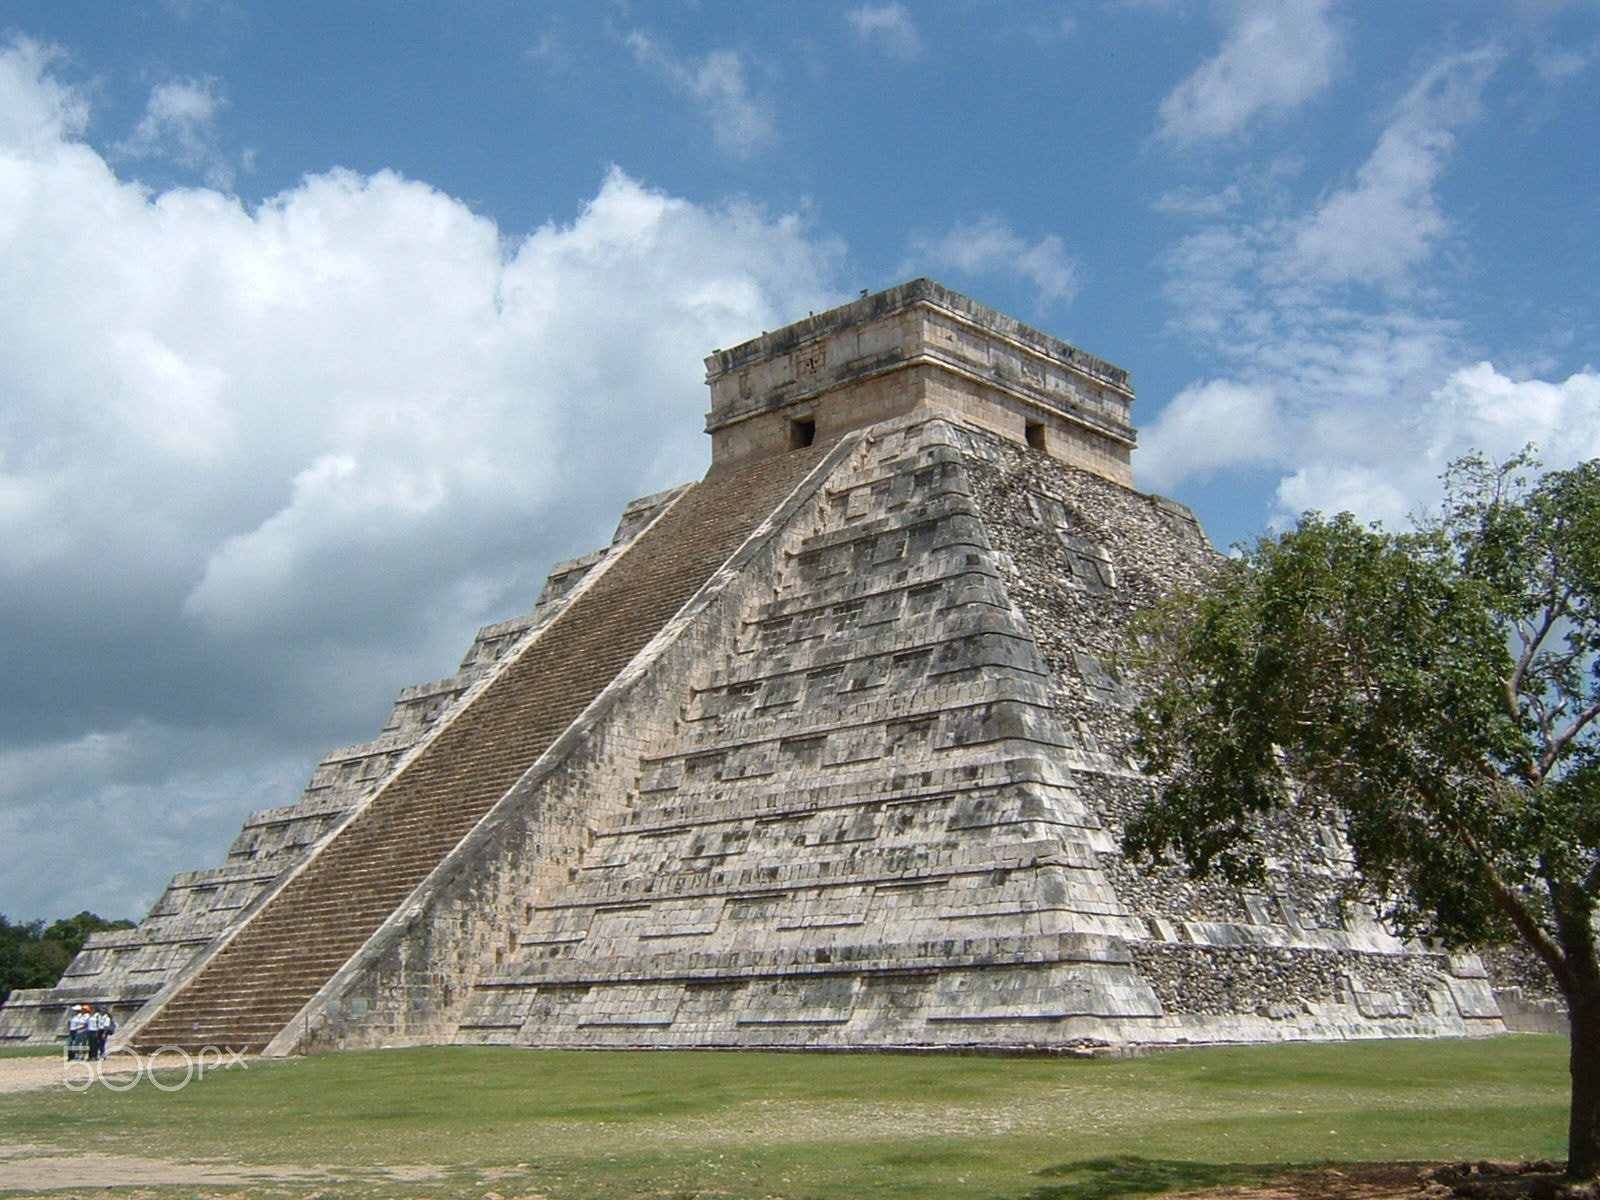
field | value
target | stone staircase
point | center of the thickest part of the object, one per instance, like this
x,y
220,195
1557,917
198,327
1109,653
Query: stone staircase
x,y
250,989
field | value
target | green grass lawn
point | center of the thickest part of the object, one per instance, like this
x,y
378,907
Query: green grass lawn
x,y
30,1051
580,1126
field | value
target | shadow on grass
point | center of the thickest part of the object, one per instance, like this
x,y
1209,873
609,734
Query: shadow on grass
x,y
1127,1175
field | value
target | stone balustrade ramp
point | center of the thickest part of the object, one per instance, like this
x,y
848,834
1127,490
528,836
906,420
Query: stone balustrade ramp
x,y
253,986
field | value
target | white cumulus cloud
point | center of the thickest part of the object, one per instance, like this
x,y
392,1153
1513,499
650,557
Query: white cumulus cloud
x,y
262,466
887,27
1479,408
37,112
1277,55
1207,427
741,123
1476,409
990,247
1378,227
179,125
1342,376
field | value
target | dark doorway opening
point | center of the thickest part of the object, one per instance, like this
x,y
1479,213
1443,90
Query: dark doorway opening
x,y
1034,432
802,432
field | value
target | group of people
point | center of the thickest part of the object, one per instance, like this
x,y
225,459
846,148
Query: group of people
x,y
89,1027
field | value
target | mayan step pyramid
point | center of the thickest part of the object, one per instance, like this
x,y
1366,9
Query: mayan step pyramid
x,y
824,750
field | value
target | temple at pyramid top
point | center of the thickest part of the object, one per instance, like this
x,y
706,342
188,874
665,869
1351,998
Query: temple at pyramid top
x,y
919,345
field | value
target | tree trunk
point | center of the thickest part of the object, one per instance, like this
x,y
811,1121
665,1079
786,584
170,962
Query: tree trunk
x,y
1583,1132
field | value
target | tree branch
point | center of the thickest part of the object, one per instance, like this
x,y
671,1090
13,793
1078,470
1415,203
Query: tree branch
x,y
1557,601
1560,743
1507,900
1531,644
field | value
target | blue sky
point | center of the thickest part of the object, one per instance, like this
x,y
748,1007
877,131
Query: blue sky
x,y
325,329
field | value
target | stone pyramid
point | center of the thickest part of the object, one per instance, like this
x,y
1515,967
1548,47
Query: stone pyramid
x,y
823,750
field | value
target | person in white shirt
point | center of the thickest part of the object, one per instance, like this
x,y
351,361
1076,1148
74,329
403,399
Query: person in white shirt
x,y
100,1029
77,1032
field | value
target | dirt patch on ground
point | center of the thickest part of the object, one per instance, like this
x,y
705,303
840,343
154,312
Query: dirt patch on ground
x,y
118,1071
28,1168
1356,1181
50,1070
39,1169
1409,1181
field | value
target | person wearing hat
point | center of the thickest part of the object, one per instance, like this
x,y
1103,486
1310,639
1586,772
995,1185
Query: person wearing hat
x,y
77,1032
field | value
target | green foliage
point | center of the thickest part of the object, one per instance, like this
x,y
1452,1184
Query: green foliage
x,y
1436,691
33,955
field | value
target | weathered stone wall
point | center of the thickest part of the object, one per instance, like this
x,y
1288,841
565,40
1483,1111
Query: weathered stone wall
x,y
1526,990
1302,956
768,883
869,795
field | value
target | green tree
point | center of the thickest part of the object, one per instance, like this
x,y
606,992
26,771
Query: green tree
x,y
1435,692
